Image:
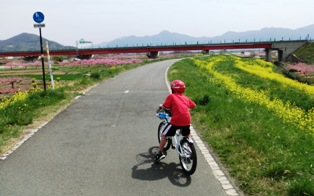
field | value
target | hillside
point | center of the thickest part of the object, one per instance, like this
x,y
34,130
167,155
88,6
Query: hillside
x,y
27,42
306,53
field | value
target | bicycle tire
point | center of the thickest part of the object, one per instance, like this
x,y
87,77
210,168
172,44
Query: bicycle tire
x,y
160,129
188,164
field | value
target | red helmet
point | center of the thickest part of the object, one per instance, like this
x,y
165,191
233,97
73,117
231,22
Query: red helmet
x,y
177,86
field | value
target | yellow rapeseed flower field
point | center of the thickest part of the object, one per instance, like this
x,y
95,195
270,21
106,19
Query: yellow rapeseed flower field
x,y
287,111
264,69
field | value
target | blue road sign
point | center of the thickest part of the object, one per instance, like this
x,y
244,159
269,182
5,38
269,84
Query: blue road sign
x,y
38,17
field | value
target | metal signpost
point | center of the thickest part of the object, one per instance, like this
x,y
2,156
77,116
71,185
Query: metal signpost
x,y
39,18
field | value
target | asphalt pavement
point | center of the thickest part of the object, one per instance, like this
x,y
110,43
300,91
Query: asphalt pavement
x,y
103,144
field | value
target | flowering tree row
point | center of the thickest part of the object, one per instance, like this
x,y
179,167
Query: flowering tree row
x,y
11,81
102,61
12,65
302,68
111,61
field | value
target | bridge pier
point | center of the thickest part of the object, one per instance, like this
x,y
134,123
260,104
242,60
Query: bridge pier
x,y
286,48
153,54
268,54
280,55
85,56
30,58
205,51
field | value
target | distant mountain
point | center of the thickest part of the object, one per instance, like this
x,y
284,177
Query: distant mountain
x,y
267,34
164,37
27,42
169,38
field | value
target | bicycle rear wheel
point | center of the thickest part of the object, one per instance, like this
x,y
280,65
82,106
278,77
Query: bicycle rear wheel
x,y
188,161
161,127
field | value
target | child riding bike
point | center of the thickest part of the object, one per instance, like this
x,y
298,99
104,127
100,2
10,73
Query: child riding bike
x,y
179,106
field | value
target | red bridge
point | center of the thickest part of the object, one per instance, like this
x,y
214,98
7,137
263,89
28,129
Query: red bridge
x,y
284,48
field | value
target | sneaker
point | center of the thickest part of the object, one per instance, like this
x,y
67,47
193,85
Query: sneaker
x,y
190,140
159,156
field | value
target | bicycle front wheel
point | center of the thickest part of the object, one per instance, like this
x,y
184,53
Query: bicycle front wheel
x,y
161,127
188,158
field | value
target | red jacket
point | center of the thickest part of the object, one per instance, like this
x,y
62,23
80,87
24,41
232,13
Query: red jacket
x,y
179,106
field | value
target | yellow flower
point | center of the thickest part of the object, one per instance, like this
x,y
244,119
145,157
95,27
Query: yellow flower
x,y
18,96
287,111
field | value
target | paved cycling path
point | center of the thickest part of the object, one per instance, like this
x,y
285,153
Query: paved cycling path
x,y
103,144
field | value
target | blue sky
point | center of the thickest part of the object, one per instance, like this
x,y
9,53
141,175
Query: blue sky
x,y
68,21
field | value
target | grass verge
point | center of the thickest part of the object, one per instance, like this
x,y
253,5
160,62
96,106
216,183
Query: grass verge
x,y
264,153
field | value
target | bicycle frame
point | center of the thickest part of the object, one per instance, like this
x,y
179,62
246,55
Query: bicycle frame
x,y
183,144
176,139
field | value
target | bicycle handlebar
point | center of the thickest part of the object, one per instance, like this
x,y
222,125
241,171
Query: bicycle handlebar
x,y
163,113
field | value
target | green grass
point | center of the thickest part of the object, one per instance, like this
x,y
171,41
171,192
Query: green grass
x,y
55,76
20,113
306,53
265,155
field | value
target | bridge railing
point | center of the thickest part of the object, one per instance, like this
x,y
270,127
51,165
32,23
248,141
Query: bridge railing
x,y
215,41
74,51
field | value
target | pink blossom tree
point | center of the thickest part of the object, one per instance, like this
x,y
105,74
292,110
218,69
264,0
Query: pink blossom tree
x,y
11,81
302,68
